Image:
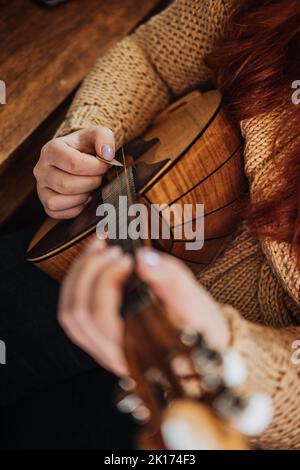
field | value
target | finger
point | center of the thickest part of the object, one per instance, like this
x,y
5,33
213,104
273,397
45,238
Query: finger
x,y
78,323
108,298
62,155
84,275
76,288
90,339
66,214
176,287
86,335
106,317
96,139
54,201
107,353
64,183
70,283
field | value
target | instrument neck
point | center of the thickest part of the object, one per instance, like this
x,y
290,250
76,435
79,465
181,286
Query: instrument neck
x,y
121,194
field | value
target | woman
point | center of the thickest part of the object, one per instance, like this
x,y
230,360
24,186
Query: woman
x,y
252,47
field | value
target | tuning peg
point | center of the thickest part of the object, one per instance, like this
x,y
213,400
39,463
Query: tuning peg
x,y
132,404
234,370
256,415
206,359
189,337
129,403
127,384
228,404
141,414
207,364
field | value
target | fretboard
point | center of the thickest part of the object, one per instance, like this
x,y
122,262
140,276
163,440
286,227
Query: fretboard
x,y
122,185
136,292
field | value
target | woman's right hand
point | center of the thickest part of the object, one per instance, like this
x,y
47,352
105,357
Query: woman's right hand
x,y
67,171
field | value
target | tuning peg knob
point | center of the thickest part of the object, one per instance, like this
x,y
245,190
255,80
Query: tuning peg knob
x,y
129,403
127,384
132,404
256,415
234,369
189,337
142,414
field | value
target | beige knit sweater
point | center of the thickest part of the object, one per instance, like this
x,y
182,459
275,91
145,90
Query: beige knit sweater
x,y
124,91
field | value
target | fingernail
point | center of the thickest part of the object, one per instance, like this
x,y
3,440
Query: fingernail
x,y
88,200
150,257
107,152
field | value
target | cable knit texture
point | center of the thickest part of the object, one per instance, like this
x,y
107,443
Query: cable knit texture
x,y
129,85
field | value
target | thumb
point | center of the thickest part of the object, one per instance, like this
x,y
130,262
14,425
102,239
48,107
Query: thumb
x,y
94,139
172,282
186,301
104,142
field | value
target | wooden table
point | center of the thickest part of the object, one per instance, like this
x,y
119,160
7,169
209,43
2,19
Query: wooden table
x,y
44,55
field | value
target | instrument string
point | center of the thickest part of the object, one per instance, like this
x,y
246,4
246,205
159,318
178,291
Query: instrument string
x,y
122,186
127,185
126,176
142,292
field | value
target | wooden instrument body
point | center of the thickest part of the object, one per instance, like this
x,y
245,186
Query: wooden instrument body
x,y
199,153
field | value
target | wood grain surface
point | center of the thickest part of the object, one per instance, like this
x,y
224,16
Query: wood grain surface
x,y
45,53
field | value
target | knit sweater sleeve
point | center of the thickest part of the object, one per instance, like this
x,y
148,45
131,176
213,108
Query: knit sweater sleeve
x,y
139,76
273,359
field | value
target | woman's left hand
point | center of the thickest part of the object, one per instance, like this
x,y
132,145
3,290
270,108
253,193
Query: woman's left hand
x,y
91,298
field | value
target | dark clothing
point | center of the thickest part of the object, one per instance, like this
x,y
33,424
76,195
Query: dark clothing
x,y
51,393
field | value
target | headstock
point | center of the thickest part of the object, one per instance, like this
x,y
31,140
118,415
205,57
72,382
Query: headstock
x,y
183,391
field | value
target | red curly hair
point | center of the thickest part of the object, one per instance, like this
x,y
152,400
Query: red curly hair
x,y
256,63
